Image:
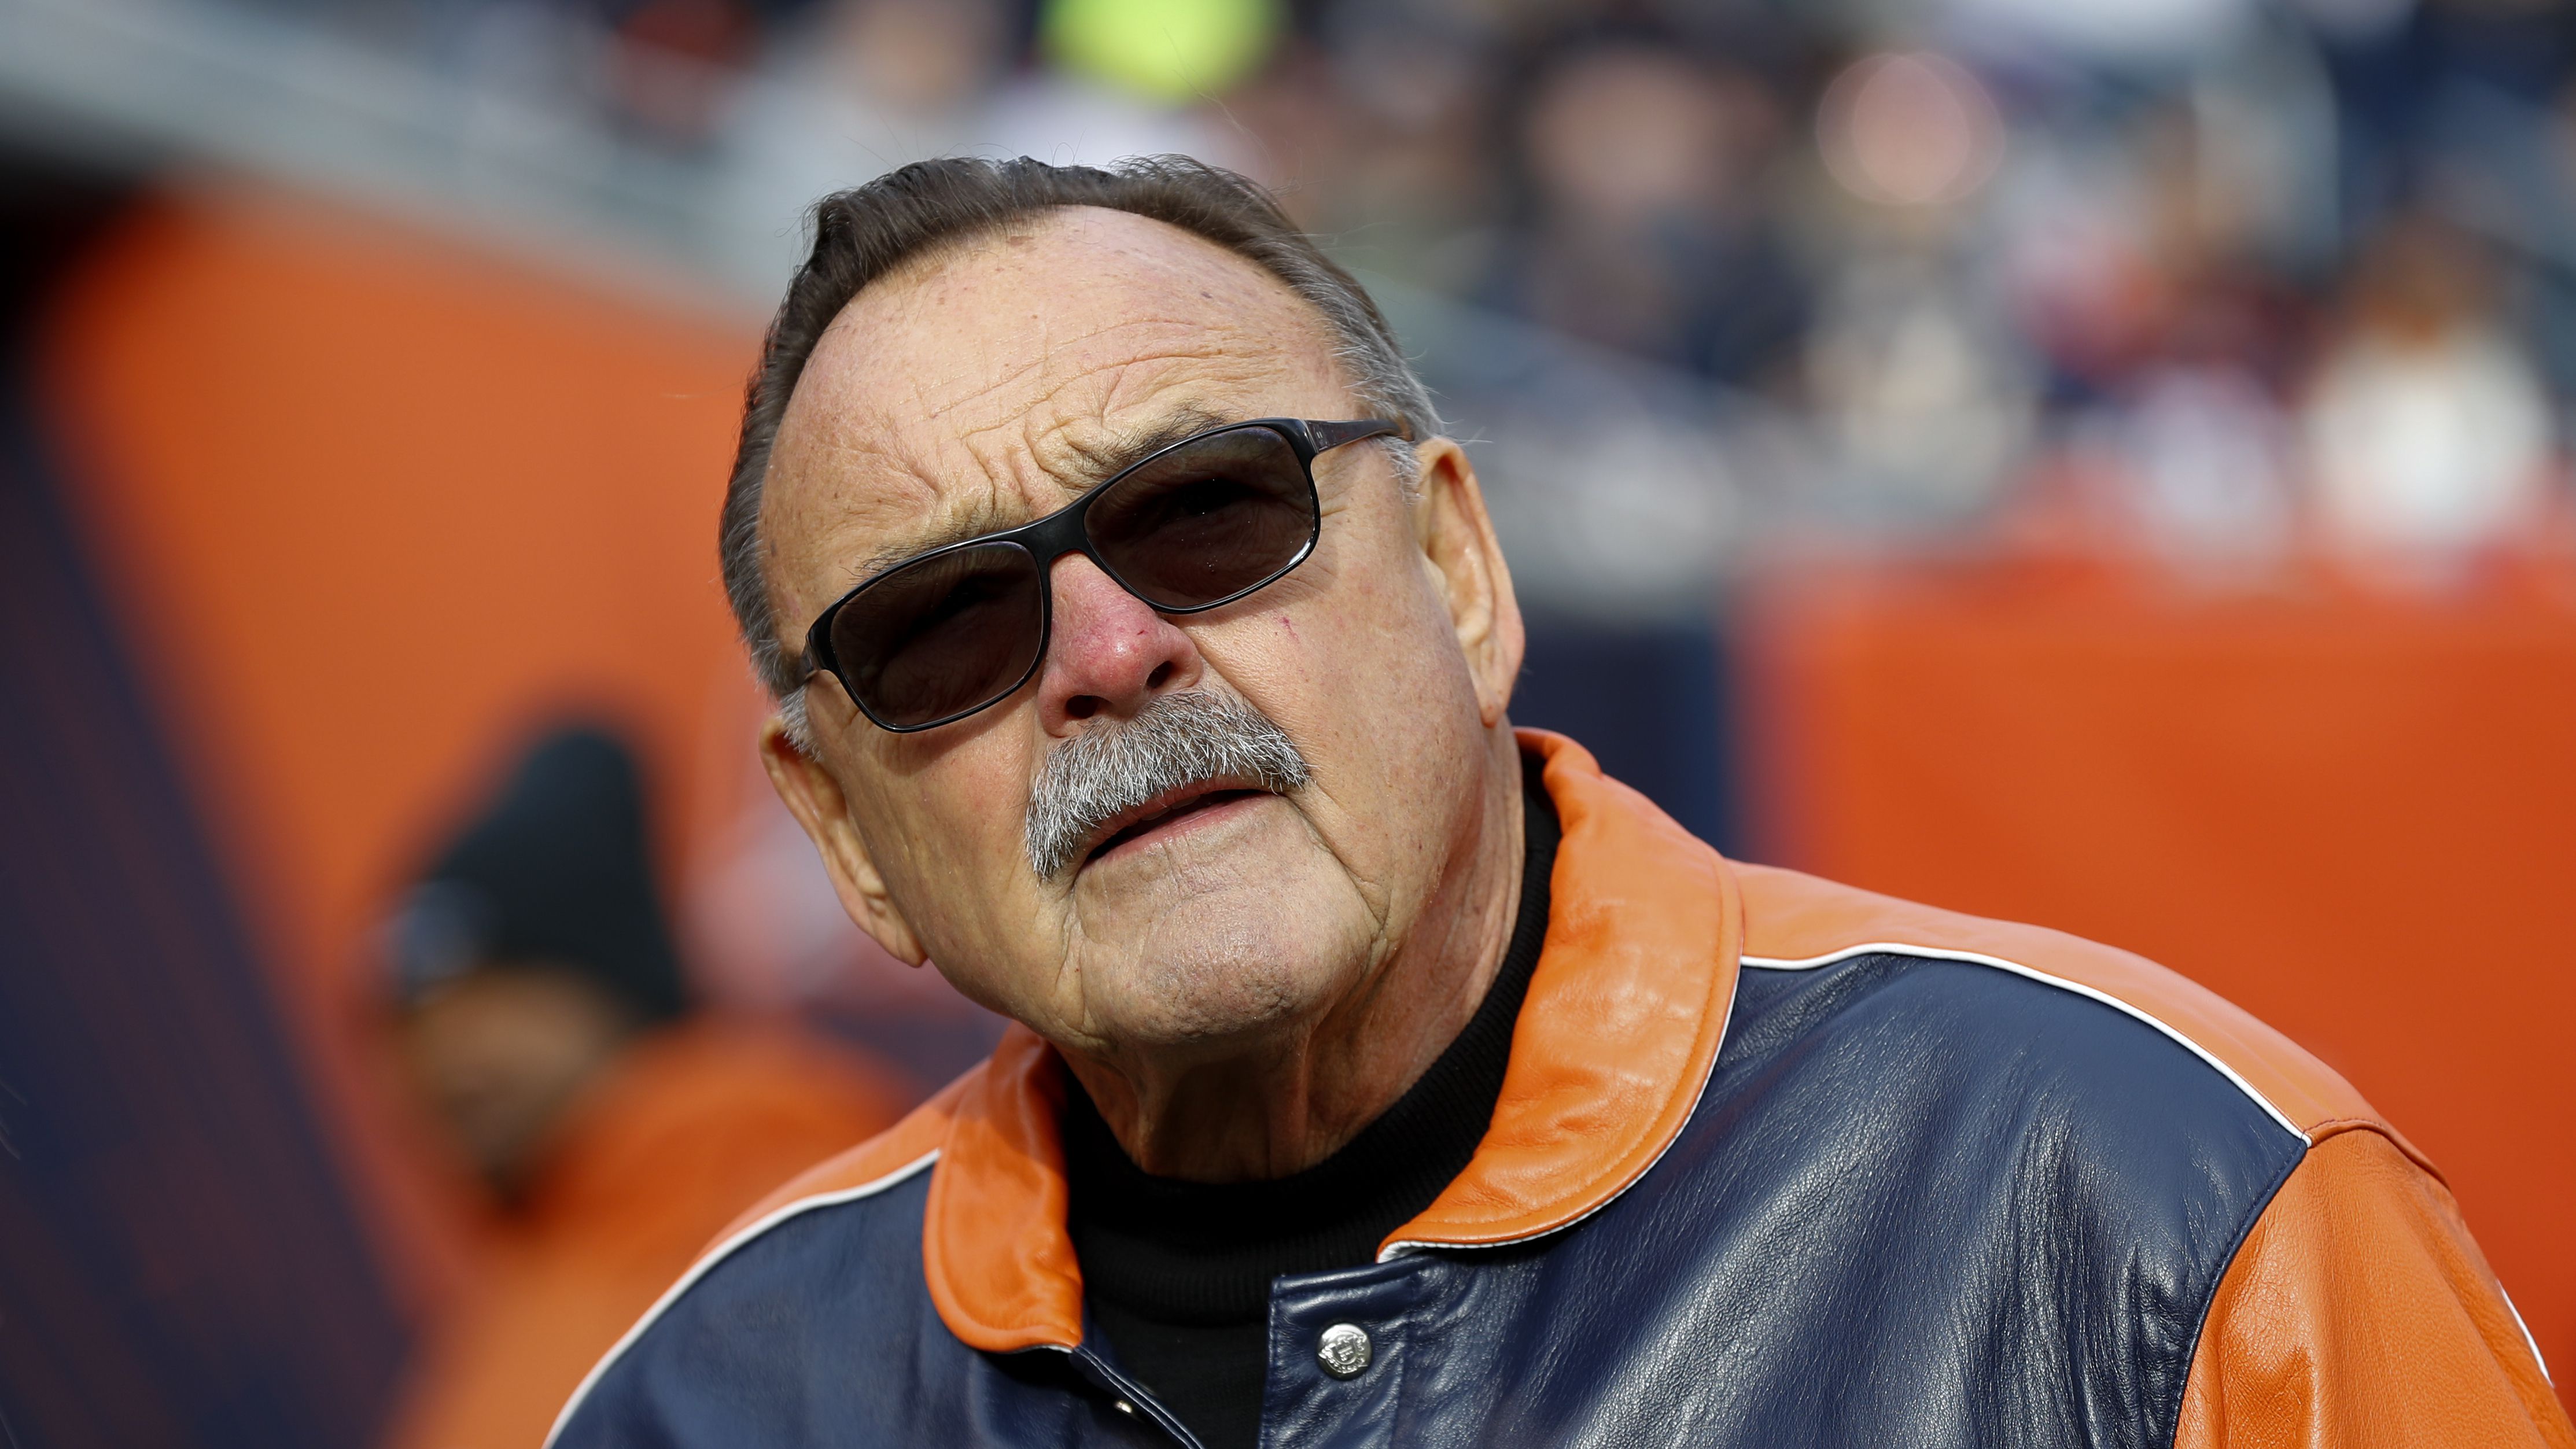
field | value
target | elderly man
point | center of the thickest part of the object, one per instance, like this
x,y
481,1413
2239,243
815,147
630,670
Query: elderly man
x,y
1385,1076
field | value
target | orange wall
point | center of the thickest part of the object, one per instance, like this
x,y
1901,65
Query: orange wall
x,y
369,503
2354,816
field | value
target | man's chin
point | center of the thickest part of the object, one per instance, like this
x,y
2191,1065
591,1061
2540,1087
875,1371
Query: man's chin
x,y
1196,996
1221,933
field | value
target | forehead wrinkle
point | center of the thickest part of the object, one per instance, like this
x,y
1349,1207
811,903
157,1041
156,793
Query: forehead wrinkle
x,y
854,471
1105,456
1179,342
837,513
932,409
965,519
1053,365
1047,350
1054,434
975,515
1080,445
1259,332
857,476
1105,449
964,509
1249,307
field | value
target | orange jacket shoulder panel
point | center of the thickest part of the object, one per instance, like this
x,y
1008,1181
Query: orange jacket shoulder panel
x,y
2359,1313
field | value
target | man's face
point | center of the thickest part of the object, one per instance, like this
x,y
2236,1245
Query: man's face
x,y
992,384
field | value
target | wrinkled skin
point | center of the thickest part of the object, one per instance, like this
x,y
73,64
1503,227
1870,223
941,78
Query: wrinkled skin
x,y
1244,990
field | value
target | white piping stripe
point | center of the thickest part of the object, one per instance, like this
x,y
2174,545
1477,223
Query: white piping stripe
x,y
2528,1341
717,1255
1898,948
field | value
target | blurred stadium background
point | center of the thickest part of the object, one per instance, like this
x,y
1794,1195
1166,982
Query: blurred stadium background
x,y
2097,461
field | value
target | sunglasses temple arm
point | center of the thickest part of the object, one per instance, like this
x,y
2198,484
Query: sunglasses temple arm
x,y
1325,437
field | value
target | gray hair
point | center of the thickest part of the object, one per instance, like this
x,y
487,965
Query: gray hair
x,y
1176,740
861,234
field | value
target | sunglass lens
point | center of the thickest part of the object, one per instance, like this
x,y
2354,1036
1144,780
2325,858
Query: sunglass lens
x,y
1207,520
950,633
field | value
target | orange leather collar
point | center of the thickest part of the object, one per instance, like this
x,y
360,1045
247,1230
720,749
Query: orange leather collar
x,y
1625,1012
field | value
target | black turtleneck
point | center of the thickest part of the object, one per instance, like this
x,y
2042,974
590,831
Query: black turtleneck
x,y
1177,1274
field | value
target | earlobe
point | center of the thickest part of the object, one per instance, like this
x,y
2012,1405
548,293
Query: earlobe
x,y
1465,562
814,796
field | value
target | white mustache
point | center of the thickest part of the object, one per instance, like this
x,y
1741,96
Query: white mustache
x,y
1177,741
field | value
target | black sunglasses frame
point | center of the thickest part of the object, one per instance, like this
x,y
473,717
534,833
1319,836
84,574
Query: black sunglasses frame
x,y
1063,532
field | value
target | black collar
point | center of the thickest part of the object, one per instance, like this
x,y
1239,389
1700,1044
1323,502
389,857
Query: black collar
x,y
1198,1253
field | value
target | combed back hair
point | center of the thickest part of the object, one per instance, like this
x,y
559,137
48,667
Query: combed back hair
x,y
865,232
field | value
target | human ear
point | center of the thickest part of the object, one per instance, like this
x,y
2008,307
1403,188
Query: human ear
x,y
1465,564
814,796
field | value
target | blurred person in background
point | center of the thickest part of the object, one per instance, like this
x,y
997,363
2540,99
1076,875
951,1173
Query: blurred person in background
x,y
2142,281
1641,176
543,1017
1144,653
1922,406
1388,118
2429,429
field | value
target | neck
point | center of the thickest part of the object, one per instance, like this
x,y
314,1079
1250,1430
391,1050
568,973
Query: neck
x,y
1293,1098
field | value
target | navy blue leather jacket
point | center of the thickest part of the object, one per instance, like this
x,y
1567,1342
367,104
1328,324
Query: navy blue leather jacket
x,y
1776,1163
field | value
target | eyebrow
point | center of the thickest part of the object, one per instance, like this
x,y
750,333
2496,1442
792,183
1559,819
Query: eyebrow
x,y
1100,462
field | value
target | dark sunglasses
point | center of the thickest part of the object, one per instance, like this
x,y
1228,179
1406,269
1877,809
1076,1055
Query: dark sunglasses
x,y
1190,527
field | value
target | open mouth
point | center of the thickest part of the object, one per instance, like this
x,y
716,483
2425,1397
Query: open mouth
x,y
1167,815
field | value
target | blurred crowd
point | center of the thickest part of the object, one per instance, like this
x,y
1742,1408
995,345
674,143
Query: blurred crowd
x,y
2219,282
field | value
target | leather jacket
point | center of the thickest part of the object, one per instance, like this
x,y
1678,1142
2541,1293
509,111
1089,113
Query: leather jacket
x,y
1776,1162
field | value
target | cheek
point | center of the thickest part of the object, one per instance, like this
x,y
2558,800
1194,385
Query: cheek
x,y
945,829
1358,618
1364,671
1375,630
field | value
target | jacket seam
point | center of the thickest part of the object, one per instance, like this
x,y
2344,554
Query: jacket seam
x,y
1086,1361
2209,1300
2337,1126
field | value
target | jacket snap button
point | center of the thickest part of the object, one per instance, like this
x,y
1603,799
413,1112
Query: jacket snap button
x,y
1344,1350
